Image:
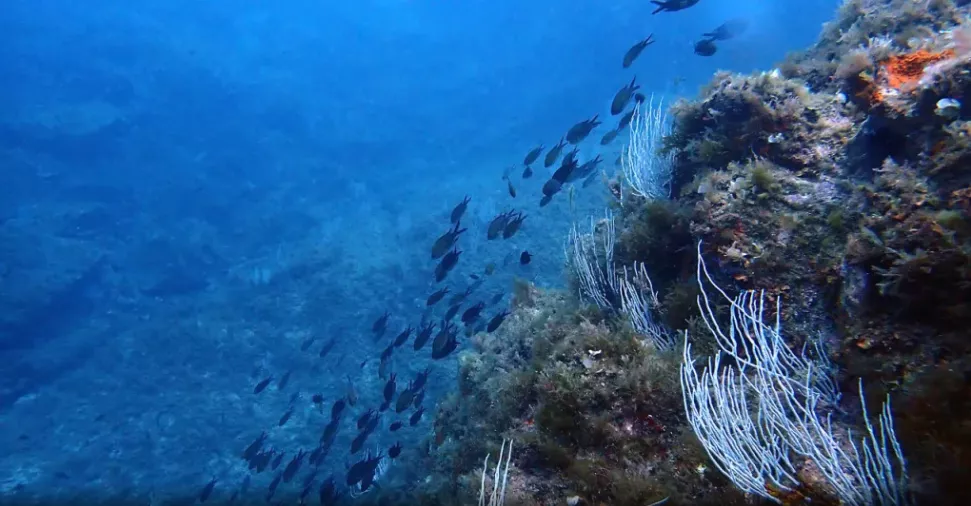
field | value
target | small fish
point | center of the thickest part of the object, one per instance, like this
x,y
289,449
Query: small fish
x,y
459,297
262,385
581,130
527,172
608,137
277,461
554,153
394,451
452,310
705,47
364,419
390,387
420,396
284,381
395,426
472,314
336,409
636,49
380,325
207,490
496,321
449,261
728,30
623,96
459,210
525,258
446,241
625,120
403,337
286,416
513,226
532,155
435,297
511,188
420,379
416,417
254,448
672,5
423,334
550,188
329,345
307,344
498,224
405,399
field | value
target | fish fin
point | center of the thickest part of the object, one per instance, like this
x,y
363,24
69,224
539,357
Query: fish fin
x,y
660,6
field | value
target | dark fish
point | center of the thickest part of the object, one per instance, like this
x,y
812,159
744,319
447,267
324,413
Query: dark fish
x,y
293,466
459,297
207,490
459,210
497,225
423,334
452,311
446,241
435,297
394,451
416,417
608,137
589,180
625,120
307,344
420,379
639,98
554,153
527,173
440,352
286,416
389,387
363,471
447,264
395,426
283,381
277,461
336,409
316,456
511,189
405,399
273,486
380,325
254,447
513,226
567,166
364,419
584,170
550,188
262,385
359,441
496,321
636,49
727,30
472,314
581,130
705,47
623,96
496,298
328,493
420,396
532,156
403,337
327,347
672,5
330,432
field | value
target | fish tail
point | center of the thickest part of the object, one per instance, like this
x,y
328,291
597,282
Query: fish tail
x,y
660,6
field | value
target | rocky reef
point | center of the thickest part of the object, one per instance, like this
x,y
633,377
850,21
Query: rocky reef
x,y
840,185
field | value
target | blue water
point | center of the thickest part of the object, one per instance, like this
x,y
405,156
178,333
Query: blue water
x,y
190,190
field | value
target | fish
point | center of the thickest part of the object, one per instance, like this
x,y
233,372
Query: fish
x,y
329,496
330,432
420,396
442,351
705,47
511,189
329,345
513,226
446,241
608,137
403,337
562,174
590,179
283,381
525,258
554,153
254,448
472,314
273,486
363,471
625,119
380,325
636,49
293,466
460,297
497,225
452,310
532,155
527,172
390,387
448,263
207,490
405,399
623,96
286,416
395,426
550,188
672,5
728,30
351,392
420,379
585,170
423,334
364,419
581,130
459,210
359,441
277,461
262,385
394,451
443,334
416,417
307,344
337,409
496,321
435,297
